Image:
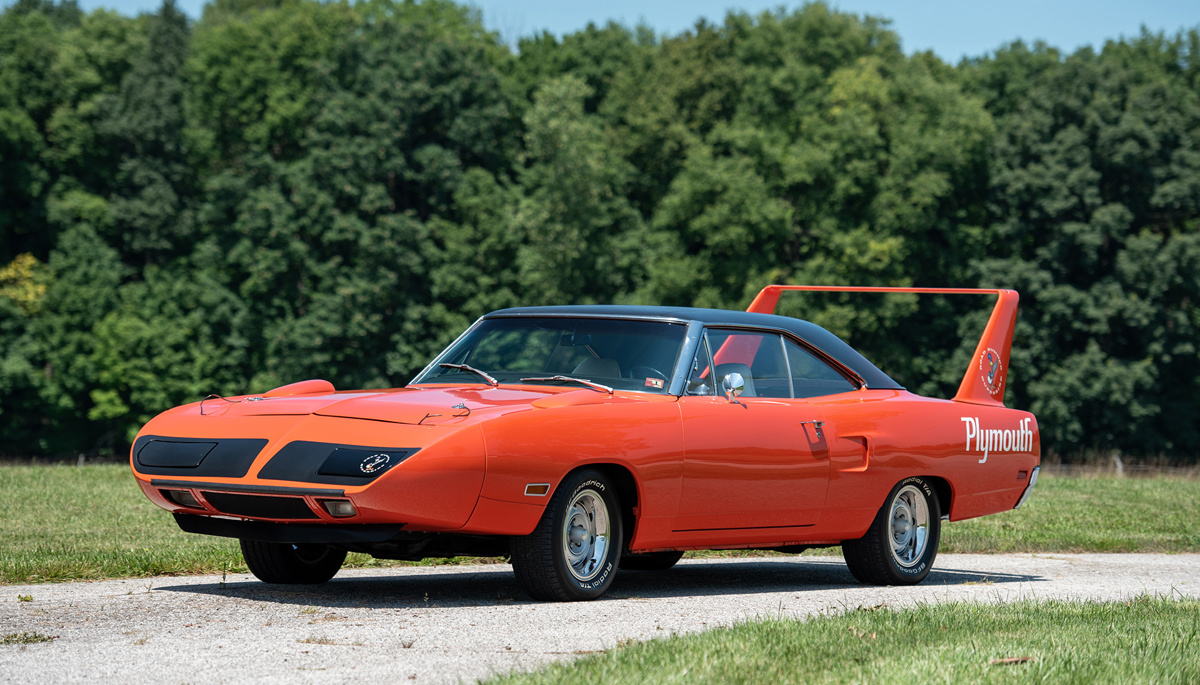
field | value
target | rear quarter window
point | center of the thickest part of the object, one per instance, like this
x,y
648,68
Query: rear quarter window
x,y
812,377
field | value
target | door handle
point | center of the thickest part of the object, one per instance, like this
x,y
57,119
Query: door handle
x,y
818,425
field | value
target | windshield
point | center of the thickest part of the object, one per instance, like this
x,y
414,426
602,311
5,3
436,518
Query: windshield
x,y
626,355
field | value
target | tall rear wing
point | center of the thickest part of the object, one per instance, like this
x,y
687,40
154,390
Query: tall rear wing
x,y
984,381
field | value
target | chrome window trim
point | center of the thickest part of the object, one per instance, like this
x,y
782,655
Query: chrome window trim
x,y
850,374
614,317
787,366
702,339
686,349
445,350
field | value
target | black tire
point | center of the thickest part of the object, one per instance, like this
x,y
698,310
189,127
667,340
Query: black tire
x,y
285,564
893,551
574,551
650,561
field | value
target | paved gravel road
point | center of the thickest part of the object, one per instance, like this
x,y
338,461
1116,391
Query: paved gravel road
x,y
446,624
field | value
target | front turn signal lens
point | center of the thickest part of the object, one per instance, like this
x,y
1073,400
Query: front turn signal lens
x,y
339,508
183,498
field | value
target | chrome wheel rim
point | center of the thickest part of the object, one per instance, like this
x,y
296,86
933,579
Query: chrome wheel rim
x,y
910,526
585,534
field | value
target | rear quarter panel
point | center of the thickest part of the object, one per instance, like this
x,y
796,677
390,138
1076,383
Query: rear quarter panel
x,y
985,455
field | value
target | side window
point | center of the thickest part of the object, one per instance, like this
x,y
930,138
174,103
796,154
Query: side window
x,y
758,357
812,377
700,379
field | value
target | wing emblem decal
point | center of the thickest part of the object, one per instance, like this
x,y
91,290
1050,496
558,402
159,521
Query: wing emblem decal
x,y
992,370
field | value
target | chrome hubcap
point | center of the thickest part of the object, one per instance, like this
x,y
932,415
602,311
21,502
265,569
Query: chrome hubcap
x,y
585,534
910,526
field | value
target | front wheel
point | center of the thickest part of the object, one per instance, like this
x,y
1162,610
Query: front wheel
x,y
286,564
575,549
902,542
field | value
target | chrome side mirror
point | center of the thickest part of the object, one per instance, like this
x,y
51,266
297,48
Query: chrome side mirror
x,y
734,385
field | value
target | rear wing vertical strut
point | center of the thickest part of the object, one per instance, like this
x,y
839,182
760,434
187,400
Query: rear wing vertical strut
x,y
986,376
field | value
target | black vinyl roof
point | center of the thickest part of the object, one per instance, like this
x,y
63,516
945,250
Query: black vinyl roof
x,y
807,331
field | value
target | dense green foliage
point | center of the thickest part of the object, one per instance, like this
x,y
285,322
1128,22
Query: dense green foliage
x,y
289,189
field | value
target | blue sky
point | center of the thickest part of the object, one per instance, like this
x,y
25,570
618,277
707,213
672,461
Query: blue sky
x,y
951,28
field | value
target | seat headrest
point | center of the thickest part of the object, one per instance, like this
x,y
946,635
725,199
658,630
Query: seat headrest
x,y
597,368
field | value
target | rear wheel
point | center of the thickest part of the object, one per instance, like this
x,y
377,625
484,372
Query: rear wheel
x,y
902,542
572,553
650,561
286,564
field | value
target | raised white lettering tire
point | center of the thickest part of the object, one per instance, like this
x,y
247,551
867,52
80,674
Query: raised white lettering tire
x,y
902,542
574,551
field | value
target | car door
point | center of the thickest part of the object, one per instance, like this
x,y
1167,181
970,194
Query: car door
x,y
758,460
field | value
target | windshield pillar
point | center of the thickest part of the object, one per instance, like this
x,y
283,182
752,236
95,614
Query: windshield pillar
x,y
691,341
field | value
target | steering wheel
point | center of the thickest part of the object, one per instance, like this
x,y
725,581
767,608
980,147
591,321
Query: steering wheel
x,y
646,372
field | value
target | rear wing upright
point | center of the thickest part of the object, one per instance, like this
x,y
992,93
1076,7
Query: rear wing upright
x,y
986,376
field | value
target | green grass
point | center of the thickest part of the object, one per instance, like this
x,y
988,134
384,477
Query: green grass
x,y
26,638
71,523
1147,640
92,522
1089,514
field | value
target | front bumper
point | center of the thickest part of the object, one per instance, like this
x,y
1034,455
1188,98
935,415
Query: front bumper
x,y
303,473
291,533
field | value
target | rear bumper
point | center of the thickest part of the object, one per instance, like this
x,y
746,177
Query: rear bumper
x,y
292,533
1029,488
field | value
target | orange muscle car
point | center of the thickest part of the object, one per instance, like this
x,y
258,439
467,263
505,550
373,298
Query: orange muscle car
x,y
582,439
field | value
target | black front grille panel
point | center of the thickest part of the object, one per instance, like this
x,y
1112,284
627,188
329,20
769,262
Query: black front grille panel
x,y
260,506
332,464
156,455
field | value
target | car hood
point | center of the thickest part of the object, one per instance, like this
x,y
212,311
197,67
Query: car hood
x,y
435,405
430,405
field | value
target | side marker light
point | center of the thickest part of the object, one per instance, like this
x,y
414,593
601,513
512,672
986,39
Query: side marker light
x,y
537,489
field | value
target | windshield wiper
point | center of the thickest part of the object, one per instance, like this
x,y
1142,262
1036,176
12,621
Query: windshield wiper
x,y
465,367
584,381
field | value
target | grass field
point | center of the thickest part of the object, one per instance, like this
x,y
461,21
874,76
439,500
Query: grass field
x,y
1147,640
90,522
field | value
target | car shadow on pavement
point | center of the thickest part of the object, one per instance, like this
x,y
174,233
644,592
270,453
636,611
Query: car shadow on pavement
x,y
493,585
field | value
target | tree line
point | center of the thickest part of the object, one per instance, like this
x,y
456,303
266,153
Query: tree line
x,y
290,189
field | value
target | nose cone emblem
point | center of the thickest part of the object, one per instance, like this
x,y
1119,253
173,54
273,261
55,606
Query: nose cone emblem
x,y
375,462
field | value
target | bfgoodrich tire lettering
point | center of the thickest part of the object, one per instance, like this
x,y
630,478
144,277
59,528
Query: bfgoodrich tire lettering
x,y
285,564
902,542
574,551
